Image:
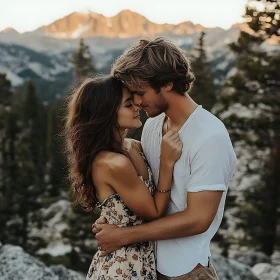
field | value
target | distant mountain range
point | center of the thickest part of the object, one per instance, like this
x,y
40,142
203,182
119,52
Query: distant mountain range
x,y
115,32
124,24
43,54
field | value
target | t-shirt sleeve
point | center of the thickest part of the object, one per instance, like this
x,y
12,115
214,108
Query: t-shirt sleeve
x,y
212,164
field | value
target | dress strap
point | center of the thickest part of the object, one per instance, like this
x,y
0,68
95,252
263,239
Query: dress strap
x,y
145,161
139,150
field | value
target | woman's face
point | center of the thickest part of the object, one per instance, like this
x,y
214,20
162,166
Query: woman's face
x,y
128,114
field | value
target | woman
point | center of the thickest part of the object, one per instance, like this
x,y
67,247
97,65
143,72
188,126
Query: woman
x,y
110,172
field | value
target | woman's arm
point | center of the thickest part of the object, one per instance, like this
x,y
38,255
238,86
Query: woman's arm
x,y
122,176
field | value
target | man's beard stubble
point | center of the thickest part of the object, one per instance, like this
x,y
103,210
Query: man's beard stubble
x,y
160,107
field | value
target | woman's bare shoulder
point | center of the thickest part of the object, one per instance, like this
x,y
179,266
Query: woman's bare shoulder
x,y
111,161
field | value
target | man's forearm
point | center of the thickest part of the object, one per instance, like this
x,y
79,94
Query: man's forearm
x,y
177,225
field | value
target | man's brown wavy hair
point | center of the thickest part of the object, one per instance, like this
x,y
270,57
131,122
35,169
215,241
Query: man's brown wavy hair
x,y
156,62
90,127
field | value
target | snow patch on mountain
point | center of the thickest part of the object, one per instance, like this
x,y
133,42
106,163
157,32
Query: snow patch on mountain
x,y
15,79
79,31
40,70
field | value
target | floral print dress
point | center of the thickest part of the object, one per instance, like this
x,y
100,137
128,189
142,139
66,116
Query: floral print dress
x,y
131,262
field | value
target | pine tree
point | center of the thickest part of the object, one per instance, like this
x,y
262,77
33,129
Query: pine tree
x,y
57,162
24,189
5,101
82,62
249,105
203,91
5,93
5,155
32,110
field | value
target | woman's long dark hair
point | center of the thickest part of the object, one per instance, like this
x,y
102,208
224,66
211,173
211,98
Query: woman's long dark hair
x,y
90,127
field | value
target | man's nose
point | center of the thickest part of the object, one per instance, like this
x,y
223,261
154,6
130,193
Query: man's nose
x,y
137,100
136,107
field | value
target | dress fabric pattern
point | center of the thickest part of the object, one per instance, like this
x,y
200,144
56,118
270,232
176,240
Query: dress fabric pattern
x,y
131,262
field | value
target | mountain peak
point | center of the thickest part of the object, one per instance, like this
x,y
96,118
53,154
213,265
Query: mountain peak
x,y
127,12
9,30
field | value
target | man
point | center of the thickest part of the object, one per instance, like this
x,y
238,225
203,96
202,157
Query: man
x,y
159,76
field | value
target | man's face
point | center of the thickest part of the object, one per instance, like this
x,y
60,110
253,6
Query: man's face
x,y
145,96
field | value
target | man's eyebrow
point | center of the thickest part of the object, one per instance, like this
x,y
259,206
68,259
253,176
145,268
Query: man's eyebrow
x,y
139,92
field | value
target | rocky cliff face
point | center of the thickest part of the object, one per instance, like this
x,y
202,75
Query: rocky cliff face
x,y
124,24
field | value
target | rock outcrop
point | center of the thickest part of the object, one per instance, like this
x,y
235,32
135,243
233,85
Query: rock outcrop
x,y
16,264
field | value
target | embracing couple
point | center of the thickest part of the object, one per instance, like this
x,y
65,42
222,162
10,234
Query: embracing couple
x,y
161,199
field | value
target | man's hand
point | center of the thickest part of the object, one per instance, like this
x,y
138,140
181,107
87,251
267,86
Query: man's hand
x,y
109,238
100,221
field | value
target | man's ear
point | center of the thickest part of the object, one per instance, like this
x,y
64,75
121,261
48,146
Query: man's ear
x,y
168,86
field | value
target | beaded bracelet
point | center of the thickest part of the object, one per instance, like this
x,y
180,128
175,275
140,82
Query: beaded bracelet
x,y
162,191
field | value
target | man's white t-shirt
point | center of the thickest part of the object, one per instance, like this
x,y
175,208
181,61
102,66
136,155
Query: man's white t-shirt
x,y
207,163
